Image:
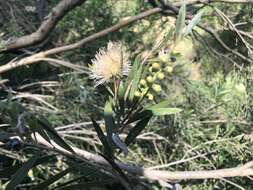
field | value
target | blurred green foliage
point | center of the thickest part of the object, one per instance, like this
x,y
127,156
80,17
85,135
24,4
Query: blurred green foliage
x,y
213,131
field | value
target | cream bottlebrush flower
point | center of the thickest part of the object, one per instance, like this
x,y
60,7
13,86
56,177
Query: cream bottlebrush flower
x,y
109,62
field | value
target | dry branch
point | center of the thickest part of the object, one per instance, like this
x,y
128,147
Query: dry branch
x,y
240,171
45,28
38,56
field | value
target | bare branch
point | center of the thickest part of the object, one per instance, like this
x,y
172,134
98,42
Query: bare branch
x,y
240,171
45,28
38,56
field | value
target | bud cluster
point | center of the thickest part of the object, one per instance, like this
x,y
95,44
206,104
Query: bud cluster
x,y
158,70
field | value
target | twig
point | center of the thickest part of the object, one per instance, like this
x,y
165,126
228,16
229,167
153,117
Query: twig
x,y
240,171
45,28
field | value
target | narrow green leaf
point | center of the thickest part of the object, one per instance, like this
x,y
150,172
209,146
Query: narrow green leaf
x,y
139,115
136,130
121,90
117,168
86,185
53,134
164,111
9,171
193,22
21,173
180,23
109,122
135,78
118,143
45,184
102,138
133,70
35,127
162,104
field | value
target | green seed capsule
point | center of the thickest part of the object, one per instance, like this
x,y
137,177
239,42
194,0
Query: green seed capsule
x,y
169,69
160,75
156,87
143,82
156,65
150,79
137,94
150,96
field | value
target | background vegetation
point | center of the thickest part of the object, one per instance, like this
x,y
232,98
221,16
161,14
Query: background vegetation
x,y
210,81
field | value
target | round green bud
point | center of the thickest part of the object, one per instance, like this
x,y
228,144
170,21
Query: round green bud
x,y
156,66
150,96
137,94
160,75
169,69
143,82
150,69
150,79
156,87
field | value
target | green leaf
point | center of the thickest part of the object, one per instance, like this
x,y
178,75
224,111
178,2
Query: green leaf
x,y
135,131
21,173
45,184
118,143
180,23
137,71
139,115
164,111
8,171
121,93
86,185
117,168
102,138
162,104
35,127
53,134
109,122
193,22
121,90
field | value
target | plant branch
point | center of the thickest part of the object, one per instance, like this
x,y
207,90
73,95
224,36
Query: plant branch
x,y
151,174
45,28
38,56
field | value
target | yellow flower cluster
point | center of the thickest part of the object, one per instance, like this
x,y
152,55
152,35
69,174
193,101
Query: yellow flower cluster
x,y
158,69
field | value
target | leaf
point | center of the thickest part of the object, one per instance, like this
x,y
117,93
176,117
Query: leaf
x,y
121,93
193,22
102,138
117,168
53,134
137,71
86,185
35,127
109,122
162,104
45,184
180,23
121,90
135,131
21,173
139,115
118,142
164,111
6,172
